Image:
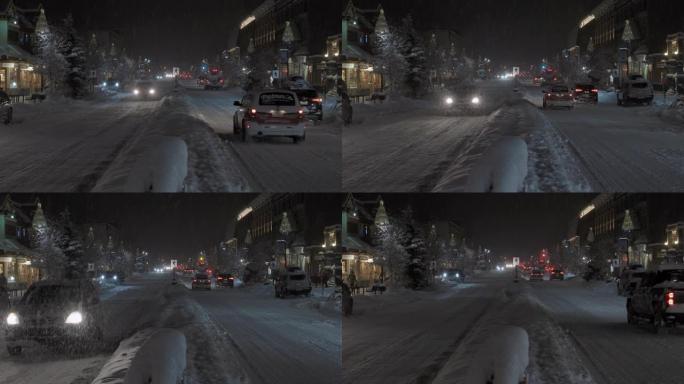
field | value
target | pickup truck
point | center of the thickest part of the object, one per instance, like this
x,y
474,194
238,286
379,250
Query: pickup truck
x,y
659,298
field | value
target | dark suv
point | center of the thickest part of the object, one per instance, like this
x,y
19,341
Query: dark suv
x,y
55,312
586,93
312,100
658,298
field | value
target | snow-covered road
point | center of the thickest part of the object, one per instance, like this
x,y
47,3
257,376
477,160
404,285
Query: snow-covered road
x,y
411,146
578,334
270,340
615,352
274,165
627,149
114,144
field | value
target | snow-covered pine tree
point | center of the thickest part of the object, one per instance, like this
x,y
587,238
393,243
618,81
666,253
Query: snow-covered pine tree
x,y
413,242
413,51
389,252
70,243
46,48
388,59
75,79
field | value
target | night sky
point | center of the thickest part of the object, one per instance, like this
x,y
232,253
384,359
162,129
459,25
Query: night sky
x,y
173,32
511,225
169,226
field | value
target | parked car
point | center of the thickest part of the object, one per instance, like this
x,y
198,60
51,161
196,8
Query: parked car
x,y
6,108
271,113
225,280
537,275
558,96
145,90
55,312
658,298
557,274
292,282
311,100
586,93
636,89
201,281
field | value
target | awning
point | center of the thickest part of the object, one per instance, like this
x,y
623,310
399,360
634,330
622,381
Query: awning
x,y
354,243
9,246
352,51
10,51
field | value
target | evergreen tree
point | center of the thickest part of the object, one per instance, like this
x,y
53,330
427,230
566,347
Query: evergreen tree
x,y
413,51
74,54
388,59
46,47
414,244
69,242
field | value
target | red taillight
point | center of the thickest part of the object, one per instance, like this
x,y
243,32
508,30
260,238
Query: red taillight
x,y
194,280
578,90
317,100
594,90
252,113
670,296
301,114
231,278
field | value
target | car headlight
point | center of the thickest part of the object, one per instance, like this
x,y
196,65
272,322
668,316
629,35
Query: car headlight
x,y
12,319
444,275
117,85
137,91
104,84
449,101
102,277
475,100
152,91
116,277
74,318
458,275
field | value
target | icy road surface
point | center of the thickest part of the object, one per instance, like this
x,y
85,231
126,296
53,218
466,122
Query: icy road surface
x,y
274,165
578,334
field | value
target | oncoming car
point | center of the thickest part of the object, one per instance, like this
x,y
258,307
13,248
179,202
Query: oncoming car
x,y
55,312
273,113
145,90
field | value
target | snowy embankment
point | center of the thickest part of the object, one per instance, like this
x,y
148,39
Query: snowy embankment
x,y
177,153
553,355
503,359
150,356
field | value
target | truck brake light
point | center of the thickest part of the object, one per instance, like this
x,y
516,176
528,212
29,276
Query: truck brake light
x,y
670,296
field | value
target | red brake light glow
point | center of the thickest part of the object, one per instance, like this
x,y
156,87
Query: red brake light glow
x,y
670,299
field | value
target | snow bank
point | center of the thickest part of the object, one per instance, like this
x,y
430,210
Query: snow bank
x,y
503,359
503,168
162,168
150,356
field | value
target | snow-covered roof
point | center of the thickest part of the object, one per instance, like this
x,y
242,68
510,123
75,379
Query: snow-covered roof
x,y
14,247
353,242
356,52
11,51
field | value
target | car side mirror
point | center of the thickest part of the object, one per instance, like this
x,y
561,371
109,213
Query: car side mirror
x,y
237,104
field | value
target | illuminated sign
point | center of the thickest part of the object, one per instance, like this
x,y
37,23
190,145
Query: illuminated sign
x,y
247,22
587,20
244,213
587,211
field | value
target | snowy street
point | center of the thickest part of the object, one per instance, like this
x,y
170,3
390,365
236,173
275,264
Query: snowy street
x,y
274,165
628,149
233,336
411,146
578,334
